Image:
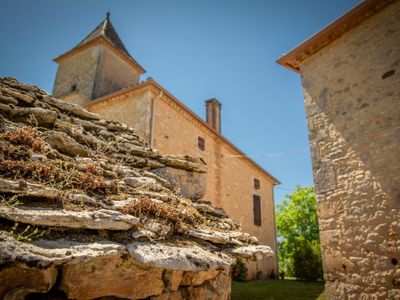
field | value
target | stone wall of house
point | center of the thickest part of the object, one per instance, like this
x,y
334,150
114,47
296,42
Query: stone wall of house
x,y
133,109
229,177
352,92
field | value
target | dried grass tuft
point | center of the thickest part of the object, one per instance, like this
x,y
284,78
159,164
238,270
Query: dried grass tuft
x,y
24,136
174,214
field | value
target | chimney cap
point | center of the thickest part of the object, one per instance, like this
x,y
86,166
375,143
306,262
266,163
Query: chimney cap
x,y
213,100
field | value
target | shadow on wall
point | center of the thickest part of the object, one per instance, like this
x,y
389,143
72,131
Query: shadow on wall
x,y
355,160
356,136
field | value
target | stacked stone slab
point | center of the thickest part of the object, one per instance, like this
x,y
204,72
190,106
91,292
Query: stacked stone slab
x,y
87,210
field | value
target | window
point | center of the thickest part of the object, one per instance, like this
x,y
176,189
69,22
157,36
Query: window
x,y
73,88
201,143
257,210
256,183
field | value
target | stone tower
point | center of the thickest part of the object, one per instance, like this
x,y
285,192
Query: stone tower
x,y
97,66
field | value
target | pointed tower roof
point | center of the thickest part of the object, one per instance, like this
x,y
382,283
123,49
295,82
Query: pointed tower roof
x,y
104,31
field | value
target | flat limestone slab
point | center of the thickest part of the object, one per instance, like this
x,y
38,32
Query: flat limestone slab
x,y
99,219
186,258
253,251
44,253
219,237
27,188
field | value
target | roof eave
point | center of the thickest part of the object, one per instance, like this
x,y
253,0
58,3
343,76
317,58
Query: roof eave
x,y
293,59
204,123
151,82
283,62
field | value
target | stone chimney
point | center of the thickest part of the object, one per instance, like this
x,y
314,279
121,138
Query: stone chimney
x,y
213,114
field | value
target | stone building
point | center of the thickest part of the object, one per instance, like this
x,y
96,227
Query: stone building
x,y
351,80
101,75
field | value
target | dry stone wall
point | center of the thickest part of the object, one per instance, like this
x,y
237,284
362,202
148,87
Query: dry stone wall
x,y
352,92
86,213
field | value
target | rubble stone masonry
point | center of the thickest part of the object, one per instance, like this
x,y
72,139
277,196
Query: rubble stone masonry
x,y
352,100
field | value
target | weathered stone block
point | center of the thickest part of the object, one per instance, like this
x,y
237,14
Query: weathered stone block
x,y
19,281
191,184
124,279
324,177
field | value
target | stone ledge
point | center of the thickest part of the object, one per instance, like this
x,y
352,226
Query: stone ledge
x,y
100,219
187,258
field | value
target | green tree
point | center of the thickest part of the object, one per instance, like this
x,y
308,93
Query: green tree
x,y
307,262
298,235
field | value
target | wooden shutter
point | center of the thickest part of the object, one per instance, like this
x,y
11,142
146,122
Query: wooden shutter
x,y
257,210
201,143
257,184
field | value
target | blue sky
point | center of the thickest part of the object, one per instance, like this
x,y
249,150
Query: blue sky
x,y
197,50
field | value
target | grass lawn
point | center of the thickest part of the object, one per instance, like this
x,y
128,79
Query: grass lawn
x,y
278,290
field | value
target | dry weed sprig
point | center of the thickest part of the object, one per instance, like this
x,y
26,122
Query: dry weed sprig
x,y
53,172
172,213
24,136
26,234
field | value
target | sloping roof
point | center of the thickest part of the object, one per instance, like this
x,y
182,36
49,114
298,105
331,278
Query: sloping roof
x,y
105,30
330,33
151,82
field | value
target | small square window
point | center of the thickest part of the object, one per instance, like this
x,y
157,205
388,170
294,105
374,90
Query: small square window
x,y
201,143
257,184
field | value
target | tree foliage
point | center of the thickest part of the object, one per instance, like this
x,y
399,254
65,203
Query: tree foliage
x,y
298,234
307,263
